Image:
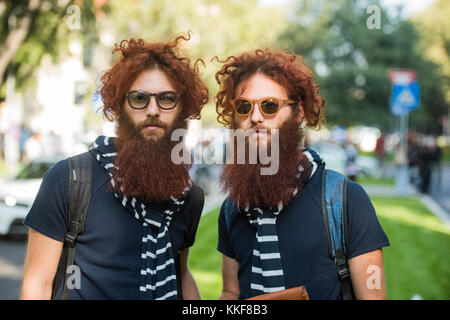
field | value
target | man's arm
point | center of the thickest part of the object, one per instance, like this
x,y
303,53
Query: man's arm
x,y
189,287
230,289
41,262
367,274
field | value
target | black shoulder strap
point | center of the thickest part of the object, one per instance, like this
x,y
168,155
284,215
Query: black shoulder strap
x,y
334,207
80,181
196,202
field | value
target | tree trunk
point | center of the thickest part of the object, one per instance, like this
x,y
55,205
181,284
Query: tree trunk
x,y
16,36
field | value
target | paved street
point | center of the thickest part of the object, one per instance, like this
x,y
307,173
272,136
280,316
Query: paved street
x,y
12,255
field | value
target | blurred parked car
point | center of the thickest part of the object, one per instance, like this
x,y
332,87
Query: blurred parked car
x,y
335,159
17,195
367,165
333,155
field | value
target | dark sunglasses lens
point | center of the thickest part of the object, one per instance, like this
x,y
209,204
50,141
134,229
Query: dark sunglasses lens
x,y
243,106
167,100
138,100
270,106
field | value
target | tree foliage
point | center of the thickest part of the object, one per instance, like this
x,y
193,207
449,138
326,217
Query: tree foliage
x,y
434,27
219,28
352,61
29,29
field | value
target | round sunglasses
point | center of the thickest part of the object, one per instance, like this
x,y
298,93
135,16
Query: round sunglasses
x,y
268,106
165,100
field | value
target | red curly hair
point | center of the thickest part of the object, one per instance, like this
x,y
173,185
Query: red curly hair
x,y
137,56
286,69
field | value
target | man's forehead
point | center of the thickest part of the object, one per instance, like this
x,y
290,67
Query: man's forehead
x,y
260,82
152,80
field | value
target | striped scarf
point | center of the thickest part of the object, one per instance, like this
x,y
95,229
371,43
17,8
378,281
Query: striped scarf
x,y
267,269
157,275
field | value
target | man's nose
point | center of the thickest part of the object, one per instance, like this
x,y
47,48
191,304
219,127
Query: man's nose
x,y
256,116
152,109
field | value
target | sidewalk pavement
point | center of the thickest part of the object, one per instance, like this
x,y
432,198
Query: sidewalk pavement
x,y
214,200
427,201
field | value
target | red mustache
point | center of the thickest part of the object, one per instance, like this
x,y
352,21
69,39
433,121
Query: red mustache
x,y
258,128
151,122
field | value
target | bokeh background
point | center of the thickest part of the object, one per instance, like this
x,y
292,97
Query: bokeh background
x,y
53,53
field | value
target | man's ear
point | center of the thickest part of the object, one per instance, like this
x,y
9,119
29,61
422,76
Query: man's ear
x,y
300,114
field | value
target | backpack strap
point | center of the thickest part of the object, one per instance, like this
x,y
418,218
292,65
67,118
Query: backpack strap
x,y
196,202
334,206
229,210
80,182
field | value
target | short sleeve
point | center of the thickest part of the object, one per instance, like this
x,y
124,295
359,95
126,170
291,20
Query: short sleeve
x,y
49,213
364,229
224,243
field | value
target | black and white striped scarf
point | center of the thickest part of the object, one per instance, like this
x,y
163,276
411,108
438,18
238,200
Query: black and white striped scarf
x,y
267,269
157,275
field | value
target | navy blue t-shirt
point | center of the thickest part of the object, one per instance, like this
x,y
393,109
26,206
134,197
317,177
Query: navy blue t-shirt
x,y
109,249
302,240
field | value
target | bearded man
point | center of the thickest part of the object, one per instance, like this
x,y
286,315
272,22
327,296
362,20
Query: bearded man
x,y
140,221
271,227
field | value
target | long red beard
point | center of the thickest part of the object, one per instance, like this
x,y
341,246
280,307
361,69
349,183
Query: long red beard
x,y
146,170
246,185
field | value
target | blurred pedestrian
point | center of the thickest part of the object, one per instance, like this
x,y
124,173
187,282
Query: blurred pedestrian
x,y
25,134
413,158
33,147
380,152
436,165
351,168
426,159
52,144
2,148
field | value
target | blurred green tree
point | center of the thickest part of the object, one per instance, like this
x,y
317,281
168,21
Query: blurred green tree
x,y
434,27
219,28
351,57
31,28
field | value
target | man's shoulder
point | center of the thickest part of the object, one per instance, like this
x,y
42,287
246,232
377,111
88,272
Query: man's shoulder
x,y
228,211
354,189
60,170
356,192
196,200
62,165
196,191
228,206
196,196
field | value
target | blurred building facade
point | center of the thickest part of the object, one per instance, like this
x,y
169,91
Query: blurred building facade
x,y
50,117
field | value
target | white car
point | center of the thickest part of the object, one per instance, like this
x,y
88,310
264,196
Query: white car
x,y
335,159
17,195
333,155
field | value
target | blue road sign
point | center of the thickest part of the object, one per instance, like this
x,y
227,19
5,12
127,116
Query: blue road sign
x,y
405,97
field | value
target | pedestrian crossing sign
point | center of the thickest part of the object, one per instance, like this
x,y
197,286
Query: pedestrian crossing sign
x,y
405,97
